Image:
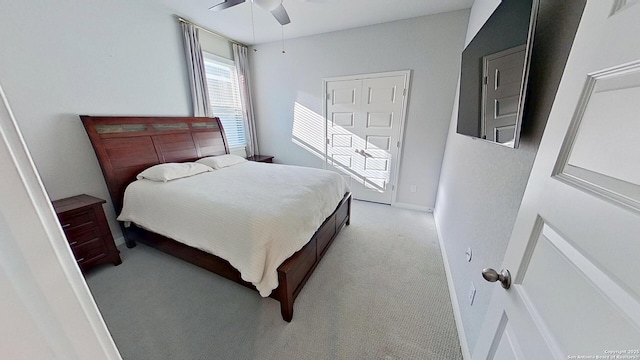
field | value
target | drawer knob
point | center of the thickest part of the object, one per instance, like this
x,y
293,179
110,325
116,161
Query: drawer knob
x,y
66,225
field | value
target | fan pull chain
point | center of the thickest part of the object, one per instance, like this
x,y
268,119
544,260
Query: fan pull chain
x,y
282,27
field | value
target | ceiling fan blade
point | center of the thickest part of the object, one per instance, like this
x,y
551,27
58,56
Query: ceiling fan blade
x,y
225,4
281,15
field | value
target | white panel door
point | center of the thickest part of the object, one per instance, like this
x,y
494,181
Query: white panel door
x,y
574,254
344,100
364,122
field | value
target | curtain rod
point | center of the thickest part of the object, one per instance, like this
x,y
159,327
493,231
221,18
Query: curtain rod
x,y
209,31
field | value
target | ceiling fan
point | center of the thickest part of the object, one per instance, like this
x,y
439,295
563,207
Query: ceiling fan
x,y
273,6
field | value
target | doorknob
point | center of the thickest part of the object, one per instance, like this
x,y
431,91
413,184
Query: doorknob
x,y
363,153
504,276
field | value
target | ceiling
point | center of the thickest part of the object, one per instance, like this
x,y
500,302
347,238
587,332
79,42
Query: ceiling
x,y
308,17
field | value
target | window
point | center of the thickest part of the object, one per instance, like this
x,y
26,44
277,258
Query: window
x,y
224,95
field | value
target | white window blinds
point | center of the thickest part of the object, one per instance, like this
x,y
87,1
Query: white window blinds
x,y
224,95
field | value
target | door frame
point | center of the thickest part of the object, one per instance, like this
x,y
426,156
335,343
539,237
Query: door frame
x,y
52,267
395,167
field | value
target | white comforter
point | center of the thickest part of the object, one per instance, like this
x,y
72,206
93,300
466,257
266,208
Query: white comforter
x,y
254,215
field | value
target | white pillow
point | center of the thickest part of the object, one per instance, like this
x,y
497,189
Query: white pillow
x,y
219,162
171,171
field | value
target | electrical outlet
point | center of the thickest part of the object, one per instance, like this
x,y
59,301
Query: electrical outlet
x,y
414,188
472,294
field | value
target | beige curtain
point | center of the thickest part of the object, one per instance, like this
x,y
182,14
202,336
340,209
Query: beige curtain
x,y
195,68
241,58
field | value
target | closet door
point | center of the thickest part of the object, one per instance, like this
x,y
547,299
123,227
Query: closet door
x,y
364,118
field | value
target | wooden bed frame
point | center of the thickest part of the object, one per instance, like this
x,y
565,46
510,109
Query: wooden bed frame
x,y
125,146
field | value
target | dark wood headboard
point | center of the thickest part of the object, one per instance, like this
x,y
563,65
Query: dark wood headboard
x,y
127,145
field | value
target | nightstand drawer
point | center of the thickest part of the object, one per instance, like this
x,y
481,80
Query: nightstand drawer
x,y
90,251
82,234
73,221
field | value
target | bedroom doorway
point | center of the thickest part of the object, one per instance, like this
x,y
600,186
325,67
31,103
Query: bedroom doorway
x,y
364,117
571,267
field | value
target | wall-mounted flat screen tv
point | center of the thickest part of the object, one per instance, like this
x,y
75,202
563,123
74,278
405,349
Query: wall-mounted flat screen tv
x,y
495,68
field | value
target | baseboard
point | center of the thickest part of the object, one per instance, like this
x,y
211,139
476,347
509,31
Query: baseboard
x,y
457,315
119,240
412,207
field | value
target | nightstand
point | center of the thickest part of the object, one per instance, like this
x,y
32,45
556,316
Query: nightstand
x,y
261,158
85,225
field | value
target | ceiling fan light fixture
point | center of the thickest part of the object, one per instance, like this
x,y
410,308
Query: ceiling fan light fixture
x,y
268,5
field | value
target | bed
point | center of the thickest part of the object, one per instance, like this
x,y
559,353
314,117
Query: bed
x,y
125,146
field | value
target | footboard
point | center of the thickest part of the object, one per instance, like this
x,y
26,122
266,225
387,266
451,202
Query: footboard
x,y
292,274
295,271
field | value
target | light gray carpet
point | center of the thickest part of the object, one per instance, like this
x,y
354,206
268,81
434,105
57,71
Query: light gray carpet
x,y
380,292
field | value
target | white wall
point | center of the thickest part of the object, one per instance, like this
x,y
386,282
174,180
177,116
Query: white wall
x,y
430,46
69,57
482,184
